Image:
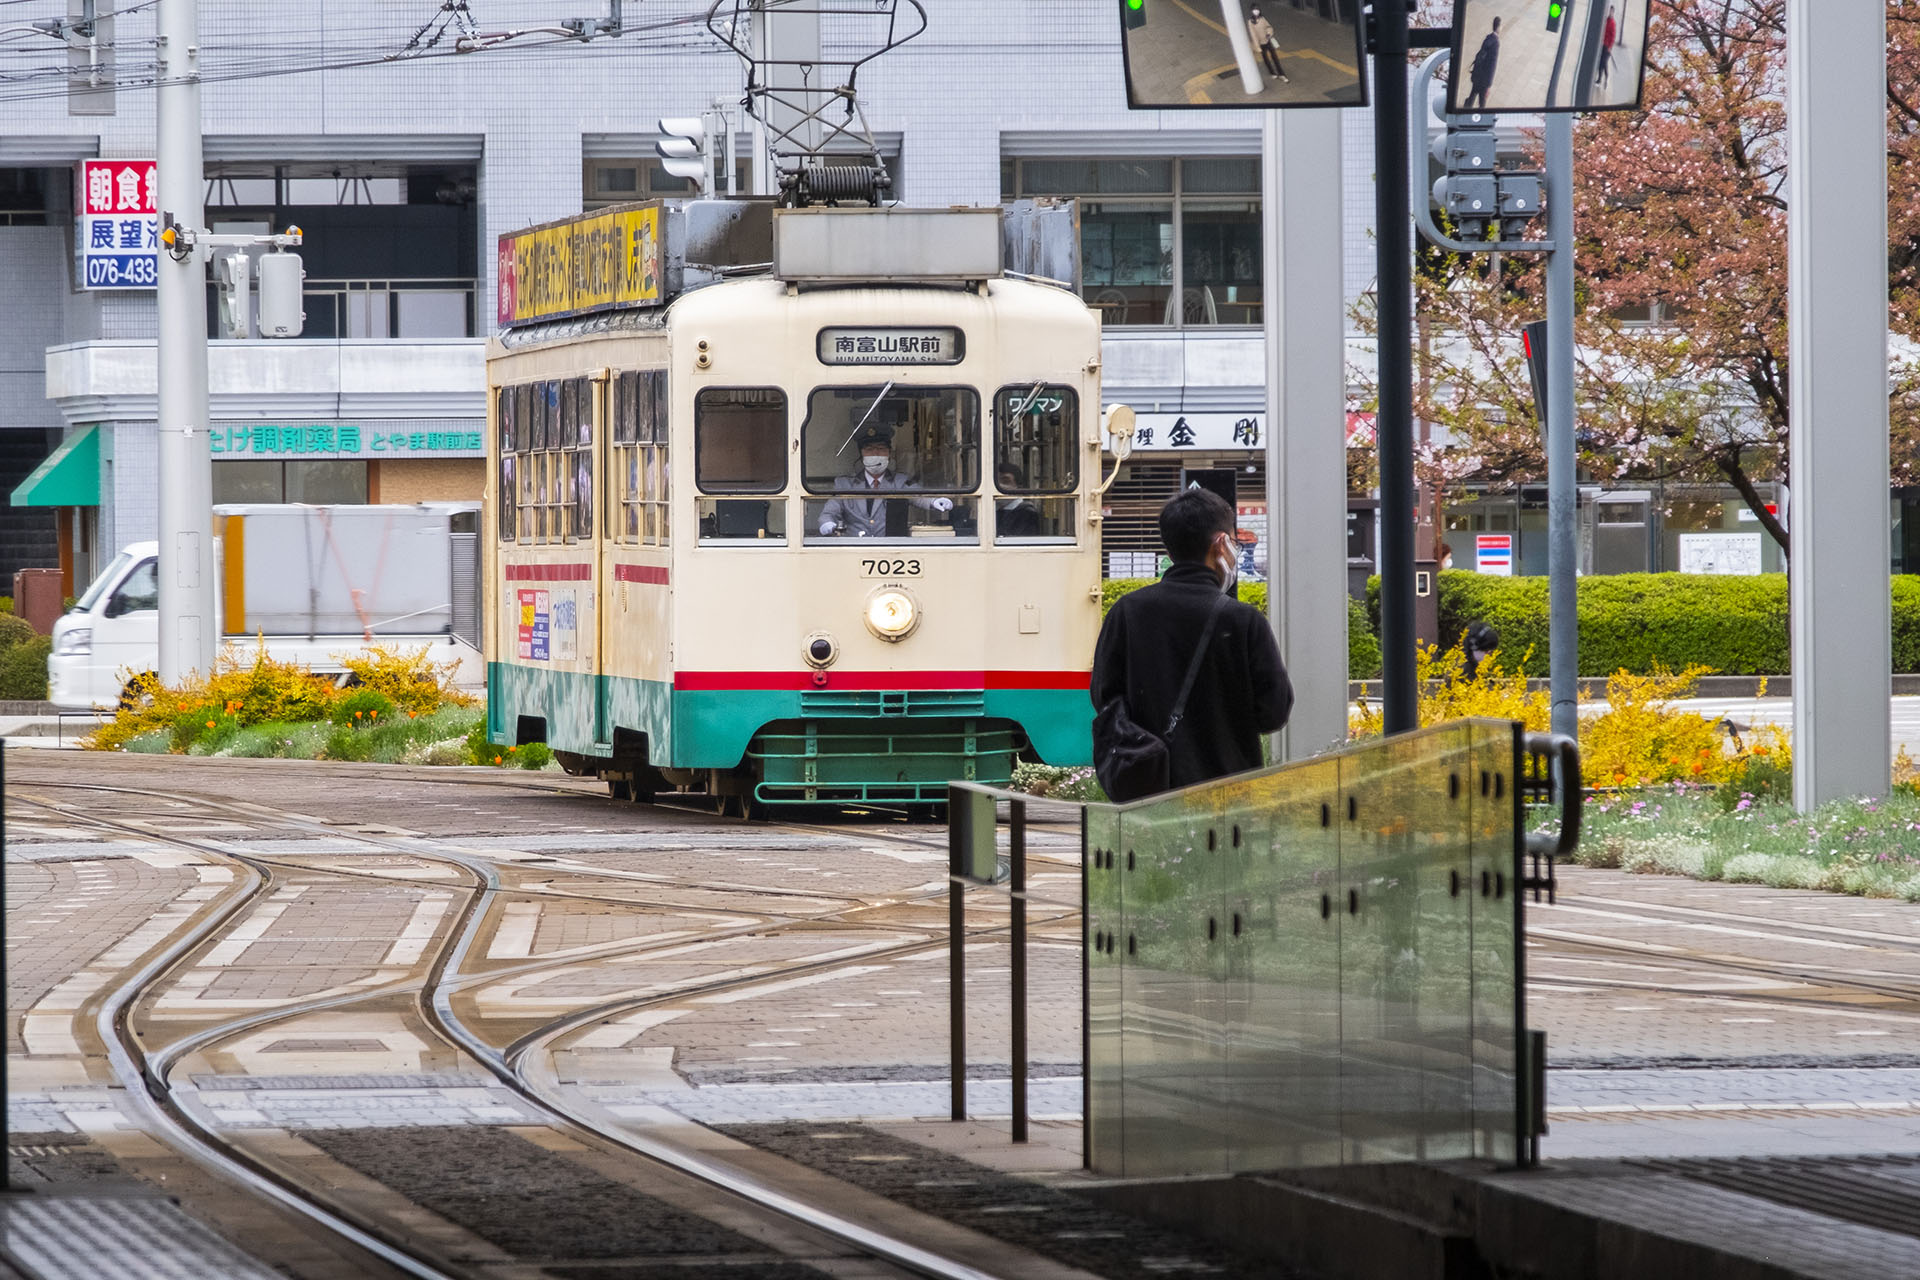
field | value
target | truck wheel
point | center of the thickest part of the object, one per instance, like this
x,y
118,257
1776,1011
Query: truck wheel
x,y
138,691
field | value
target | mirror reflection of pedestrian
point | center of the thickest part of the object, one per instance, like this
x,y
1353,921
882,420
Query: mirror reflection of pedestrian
x,y
1480,75
1261,32
1608,38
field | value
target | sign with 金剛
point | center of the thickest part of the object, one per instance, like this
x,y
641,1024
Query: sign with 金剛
x,y
117,237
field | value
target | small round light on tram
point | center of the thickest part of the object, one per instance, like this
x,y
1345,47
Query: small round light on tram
x,y
820,650
891,614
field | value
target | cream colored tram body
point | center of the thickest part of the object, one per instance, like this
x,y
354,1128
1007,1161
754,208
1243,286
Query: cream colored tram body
x,y
693,582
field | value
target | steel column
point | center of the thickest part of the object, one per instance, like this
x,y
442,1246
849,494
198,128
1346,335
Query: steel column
x,y
1017,873
1837,350
1563,491
1306,421
1393,242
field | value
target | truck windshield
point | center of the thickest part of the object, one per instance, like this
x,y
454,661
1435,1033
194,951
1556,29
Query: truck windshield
x,y
98,587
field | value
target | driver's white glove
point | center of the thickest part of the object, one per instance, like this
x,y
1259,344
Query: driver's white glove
x,y
827,528
942,504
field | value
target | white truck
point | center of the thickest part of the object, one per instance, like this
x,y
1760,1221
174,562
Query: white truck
x,y
309,583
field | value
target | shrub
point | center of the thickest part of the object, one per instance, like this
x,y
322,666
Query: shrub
x,y
14,630
361,708
23,668
409,677
1643,740
1450,690
1363,649
253,689
479,748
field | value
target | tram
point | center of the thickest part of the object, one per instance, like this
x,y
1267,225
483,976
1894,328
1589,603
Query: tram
x,y
819,530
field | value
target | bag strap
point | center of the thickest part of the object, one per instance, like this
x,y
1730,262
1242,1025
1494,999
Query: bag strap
x,y
1193,668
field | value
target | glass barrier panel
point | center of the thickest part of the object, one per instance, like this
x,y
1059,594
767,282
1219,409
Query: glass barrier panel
x,y
761,521
1398,1008
1173,1025
1495,904
1105,951
1283,999
905,519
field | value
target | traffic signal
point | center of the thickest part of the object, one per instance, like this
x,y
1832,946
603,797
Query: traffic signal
x,y
1533,341
282,287
1556,10
1134,13
1467,191
684,151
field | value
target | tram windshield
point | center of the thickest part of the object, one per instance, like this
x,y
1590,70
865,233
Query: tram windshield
x,y
920,442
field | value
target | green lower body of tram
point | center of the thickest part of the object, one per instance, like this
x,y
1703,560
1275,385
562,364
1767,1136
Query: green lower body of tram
x,y
787,746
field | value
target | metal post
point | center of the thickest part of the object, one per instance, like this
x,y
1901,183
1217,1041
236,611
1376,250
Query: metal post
x,y
1563,494
956,972
1394,292
1837,339
186,460
1306,422
1017,870
1241,42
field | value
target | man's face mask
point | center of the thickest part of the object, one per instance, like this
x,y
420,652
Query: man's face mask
x,y
874,463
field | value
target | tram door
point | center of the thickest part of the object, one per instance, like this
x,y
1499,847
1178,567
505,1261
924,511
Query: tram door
x,y
605,510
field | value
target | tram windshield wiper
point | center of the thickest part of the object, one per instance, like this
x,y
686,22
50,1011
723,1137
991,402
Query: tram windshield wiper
x,y
1028,402
884,393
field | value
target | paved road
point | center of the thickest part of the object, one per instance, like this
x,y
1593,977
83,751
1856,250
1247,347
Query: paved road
x,y
743,975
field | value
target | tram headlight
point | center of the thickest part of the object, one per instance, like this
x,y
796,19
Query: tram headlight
x,y
892,614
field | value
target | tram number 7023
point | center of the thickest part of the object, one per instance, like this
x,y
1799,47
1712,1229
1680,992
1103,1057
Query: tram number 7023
x,y
890,568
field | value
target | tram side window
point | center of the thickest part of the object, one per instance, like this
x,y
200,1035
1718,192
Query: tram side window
x,y
505,495
740,447
639,455
1036,462
922,443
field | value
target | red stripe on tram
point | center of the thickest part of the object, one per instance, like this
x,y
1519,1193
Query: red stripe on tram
x,y
702,681
549,572
654,574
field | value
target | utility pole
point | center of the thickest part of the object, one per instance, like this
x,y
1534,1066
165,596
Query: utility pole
x,y
1837,327
1563,493
1394,434
187,624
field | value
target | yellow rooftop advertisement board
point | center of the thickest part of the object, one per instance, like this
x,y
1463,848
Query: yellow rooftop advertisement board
x,y
599,261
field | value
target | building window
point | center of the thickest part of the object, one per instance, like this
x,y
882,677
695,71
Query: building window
x,y
1162,241
333,480
639,497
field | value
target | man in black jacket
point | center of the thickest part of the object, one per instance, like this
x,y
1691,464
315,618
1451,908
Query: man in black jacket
x,y
1241,690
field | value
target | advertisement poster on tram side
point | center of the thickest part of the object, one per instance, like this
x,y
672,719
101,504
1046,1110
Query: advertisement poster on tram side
x,y
536,624
564,625
595,262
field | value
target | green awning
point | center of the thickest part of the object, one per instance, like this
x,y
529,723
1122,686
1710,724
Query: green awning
x,y
70,477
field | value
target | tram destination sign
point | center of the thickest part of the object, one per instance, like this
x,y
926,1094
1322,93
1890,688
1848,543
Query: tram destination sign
x,y
600,261
886,344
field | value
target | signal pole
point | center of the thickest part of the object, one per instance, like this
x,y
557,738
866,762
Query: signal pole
x,y
1393,230
187,624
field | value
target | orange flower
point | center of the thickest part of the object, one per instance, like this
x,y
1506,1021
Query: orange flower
x,y
209,724
511,750
356,715
1760,751
496,759
1698,767
1619,778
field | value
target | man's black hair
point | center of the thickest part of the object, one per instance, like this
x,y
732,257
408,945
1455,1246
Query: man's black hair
x,y
1190,520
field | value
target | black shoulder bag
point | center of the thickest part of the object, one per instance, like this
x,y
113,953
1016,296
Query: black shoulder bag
x,y
1131,762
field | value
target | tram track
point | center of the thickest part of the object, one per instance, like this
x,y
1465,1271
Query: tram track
x,y
516,1065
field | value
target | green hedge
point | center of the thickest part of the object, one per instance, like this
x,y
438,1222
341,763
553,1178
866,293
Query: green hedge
x,y
1363,649
1630,621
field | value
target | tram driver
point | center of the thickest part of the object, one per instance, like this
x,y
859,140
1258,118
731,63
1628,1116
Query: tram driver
x,y
854,512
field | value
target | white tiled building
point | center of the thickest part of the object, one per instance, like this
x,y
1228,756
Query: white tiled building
x,y
403,173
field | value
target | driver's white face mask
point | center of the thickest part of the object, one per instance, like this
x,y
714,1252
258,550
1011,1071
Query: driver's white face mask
x,y
875,463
